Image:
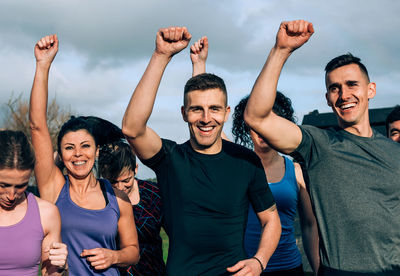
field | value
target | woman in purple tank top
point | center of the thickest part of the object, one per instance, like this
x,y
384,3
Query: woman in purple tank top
x,y
92,212
29,226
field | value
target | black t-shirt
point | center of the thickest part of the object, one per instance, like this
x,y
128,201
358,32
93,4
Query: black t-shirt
x,y
205,200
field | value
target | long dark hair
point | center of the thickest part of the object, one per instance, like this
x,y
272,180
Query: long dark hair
x,y
102,131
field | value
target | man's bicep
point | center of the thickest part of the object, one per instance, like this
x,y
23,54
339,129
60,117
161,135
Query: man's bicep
x,y
280,133
268,215
146,145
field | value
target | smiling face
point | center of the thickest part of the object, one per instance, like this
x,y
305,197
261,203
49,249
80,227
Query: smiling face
x,y
206,112
13,183
394,131
125,180
78,153
348,92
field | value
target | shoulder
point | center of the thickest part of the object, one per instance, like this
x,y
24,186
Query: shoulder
x,y
46,208
168,144
123,200
236,149
49,214
319,132
241,154
316,137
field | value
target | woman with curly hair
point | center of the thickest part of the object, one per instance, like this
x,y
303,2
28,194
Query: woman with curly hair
x,y
287,185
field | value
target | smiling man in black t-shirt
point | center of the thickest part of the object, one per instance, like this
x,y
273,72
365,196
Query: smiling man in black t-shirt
x,y
206,183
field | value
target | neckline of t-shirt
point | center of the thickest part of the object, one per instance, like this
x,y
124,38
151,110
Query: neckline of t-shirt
x,y
205,156
357,137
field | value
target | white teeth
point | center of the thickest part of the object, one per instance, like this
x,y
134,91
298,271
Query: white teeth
x,y
347,105
79,163
205,128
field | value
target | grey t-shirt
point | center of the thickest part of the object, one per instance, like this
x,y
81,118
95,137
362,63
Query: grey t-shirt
x,y
354,185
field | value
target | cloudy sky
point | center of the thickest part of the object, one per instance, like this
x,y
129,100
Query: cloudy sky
x,y
105,47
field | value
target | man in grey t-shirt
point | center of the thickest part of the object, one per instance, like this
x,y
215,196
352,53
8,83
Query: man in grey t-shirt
x,y
352,172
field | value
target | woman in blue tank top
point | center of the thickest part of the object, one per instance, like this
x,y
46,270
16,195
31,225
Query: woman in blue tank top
x,y
29,226
288,187
92,212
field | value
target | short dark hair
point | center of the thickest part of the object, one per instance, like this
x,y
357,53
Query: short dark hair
x,y
204,81
393,116
241,131
16,151
345,60
114,158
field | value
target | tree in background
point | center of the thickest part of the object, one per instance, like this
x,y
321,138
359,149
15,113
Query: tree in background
x,y
16,116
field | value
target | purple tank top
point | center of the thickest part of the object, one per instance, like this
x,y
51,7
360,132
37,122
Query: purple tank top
x,y
21,243
87,229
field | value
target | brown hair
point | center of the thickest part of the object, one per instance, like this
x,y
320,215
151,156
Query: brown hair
x,y
16,151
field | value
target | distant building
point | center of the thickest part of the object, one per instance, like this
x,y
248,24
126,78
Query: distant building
x,y
377,118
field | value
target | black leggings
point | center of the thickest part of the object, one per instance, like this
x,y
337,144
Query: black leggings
x,y
297,271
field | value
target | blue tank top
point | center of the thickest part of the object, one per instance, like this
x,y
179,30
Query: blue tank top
x,y
87,229
286,255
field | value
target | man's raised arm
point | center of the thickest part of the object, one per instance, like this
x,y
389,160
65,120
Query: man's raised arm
x,y
145,141
280,133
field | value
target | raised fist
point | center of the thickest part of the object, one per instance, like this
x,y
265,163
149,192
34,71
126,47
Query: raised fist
x,y
199,50
46,49
172,40
293,34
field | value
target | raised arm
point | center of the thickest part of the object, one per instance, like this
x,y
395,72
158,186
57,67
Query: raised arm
x,y
309,228
280,133
198,56
270,235
48,176
145,141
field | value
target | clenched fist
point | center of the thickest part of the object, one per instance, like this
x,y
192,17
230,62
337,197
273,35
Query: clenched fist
x,y
172,40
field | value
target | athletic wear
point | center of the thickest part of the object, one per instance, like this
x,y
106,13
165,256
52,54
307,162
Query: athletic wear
x,y
148,224
206,199
354,186
287,255
21,243
87,229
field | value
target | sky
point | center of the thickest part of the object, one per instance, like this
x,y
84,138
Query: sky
x,y
105,47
